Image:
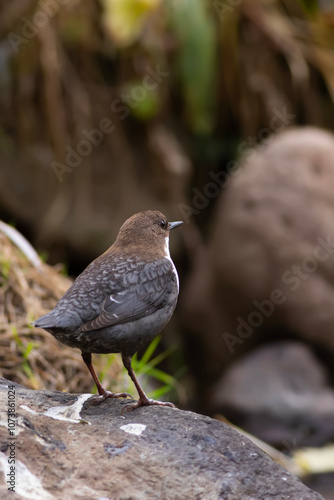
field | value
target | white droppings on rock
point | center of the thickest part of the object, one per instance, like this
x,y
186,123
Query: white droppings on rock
x,y
69,413
30,410
4,423
136,429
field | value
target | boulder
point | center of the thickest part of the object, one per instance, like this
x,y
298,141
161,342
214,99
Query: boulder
x,y
280,393
66,448
269,263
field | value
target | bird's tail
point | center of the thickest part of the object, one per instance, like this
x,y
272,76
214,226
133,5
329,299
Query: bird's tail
x,y
46,321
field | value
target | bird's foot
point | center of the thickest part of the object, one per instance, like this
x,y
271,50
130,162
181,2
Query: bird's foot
x,y
144,401
96,400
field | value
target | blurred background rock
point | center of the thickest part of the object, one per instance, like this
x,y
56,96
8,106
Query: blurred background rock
x,y
215,112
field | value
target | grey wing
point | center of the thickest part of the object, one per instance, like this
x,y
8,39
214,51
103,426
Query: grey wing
x,y
140,297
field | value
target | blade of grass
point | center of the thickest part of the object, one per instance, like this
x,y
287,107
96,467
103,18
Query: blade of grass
x,y
150,350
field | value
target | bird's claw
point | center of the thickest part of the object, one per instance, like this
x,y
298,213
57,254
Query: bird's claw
x,y
96,400
145,402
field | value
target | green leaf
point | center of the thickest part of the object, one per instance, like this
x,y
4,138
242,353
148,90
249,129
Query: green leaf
x,y
150,350
125,20
194,26
144,103
157,393
28,350
16,337
4,269
109,361
145,369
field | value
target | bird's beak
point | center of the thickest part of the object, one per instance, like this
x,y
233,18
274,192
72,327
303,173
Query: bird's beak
x,y
173,225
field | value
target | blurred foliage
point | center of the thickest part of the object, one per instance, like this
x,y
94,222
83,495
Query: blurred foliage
x,y
31,356
155,381
226,59
180,85
183,82
126,19
196,66
177,85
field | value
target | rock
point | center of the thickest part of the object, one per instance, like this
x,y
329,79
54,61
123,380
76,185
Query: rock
x,y
279,393
269,265
70,450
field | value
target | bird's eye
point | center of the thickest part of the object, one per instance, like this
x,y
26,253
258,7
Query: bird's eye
x,y
163,224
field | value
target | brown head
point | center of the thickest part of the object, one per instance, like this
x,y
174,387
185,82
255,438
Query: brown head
x,y
148,230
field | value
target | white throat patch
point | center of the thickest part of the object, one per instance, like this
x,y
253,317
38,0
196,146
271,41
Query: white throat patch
x,y
167,255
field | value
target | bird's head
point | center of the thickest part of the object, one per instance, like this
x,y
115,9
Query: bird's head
x,y
148,230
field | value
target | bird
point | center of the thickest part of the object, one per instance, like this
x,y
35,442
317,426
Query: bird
x,y
121,301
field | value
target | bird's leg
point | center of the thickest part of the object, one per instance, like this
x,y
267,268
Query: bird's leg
x,y
103,394
143,399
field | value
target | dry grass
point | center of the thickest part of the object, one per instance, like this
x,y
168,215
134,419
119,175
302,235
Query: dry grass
x,y
31,356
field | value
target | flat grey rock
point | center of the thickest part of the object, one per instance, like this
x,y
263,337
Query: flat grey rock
x,y
280,393
66,448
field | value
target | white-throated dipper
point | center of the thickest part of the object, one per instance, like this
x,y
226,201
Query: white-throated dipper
x,y
122,300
